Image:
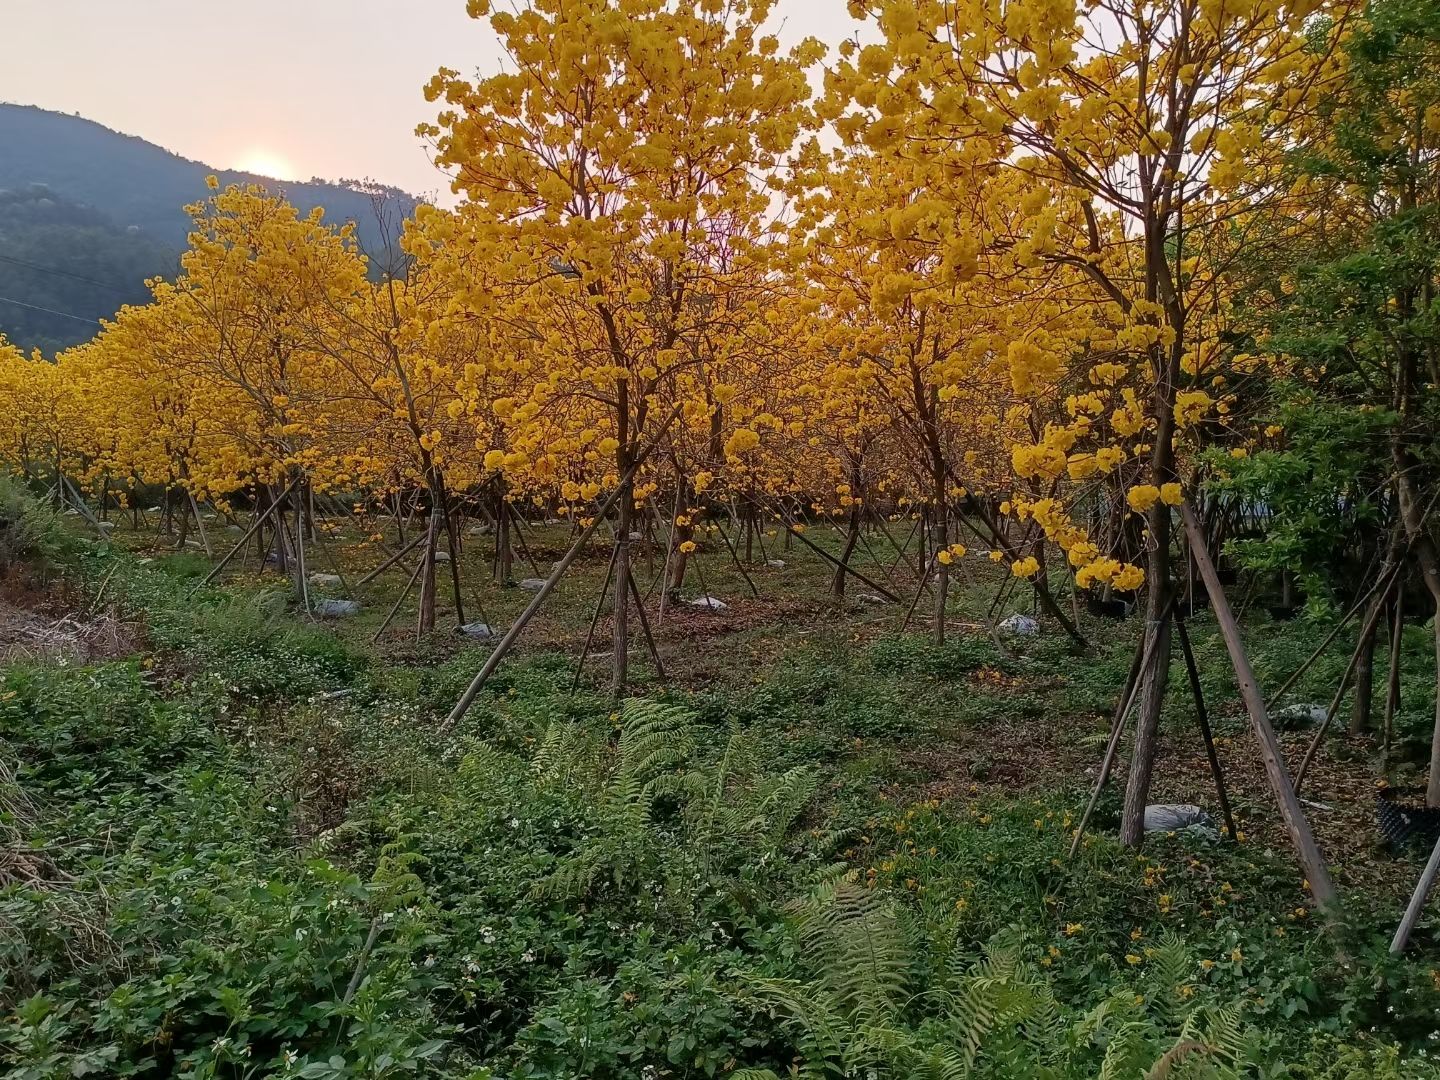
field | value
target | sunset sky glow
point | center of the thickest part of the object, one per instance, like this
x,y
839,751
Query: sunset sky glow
x,y
328,88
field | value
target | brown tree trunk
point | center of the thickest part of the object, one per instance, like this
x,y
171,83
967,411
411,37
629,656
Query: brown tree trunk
x,y
1425,553
1365,674
852,537
621,657
184,526
939,541
1156,676
425,622
1157,605
504,548
679,558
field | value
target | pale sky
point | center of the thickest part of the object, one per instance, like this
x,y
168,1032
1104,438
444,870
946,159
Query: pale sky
x,y
328,88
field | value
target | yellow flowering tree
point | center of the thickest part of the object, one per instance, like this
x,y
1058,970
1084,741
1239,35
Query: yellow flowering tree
x,y
604,175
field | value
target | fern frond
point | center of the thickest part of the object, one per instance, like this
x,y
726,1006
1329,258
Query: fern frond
x,y
852,934
1126,1052
1176,1058
654,737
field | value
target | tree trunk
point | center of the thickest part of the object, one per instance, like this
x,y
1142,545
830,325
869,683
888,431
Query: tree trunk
x,y
852,537
504,549
425,621
300,574
1424,548
621,656
1156,678
184,526
939,541
1166,366
1364,672
679,558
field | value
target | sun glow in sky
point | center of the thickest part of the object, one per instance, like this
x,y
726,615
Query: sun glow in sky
x,y
347,109
266,163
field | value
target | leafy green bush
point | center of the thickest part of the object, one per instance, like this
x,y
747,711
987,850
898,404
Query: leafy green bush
x,y
247,640
28,531
177,930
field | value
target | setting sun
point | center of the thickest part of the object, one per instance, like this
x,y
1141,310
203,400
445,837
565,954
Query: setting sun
x,y
266,163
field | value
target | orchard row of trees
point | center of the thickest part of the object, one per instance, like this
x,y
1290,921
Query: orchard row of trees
x,y
1058,276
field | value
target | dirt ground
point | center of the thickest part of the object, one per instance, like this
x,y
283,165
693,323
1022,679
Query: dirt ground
x,y
44,620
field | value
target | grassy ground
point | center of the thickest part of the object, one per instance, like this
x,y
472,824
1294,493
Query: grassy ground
x,y
820,845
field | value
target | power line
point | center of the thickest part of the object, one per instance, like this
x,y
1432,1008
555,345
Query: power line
x,y
65,273
49,311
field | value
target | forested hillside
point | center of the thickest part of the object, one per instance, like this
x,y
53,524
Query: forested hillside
x,y
87,214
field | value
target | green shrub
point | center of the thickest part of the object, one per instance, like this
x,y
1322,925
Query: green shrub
x,y
29,532
176,930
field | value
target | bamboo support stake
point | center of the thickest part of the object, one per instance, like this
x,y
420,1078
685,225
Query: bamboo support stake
x,y
391,561
1117,728
1344,621
81,506
200,525
324,546
390,616
452,533
920,591
989,622
836,562
1392,680
493,660
254,527
645,626
735,557
595,618
1202,717
1365,631
1311,860
1417,902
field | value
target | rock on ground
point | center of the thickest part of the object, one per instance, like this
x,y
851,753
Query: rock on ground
x,y
1302,715
1020,626
1172,817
